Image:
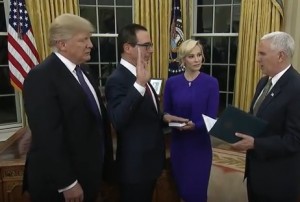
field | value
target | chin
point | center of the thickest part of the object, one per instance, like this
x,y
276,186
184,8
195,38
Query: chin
x,y
87,58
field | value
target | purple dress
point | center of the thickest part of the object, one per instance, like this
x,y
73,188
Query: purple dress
x,y
191,152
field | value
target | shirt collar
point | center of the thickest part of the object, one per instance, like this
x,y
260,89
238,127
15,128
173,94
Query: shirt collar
x,y
128,66
277,76
70,65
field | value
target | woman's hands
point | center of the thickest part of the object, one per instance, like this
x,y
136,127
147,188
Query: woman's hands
x,y
171,118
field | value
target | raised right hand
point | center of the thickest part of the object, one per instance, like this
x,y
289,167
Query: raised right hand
x,y
142,73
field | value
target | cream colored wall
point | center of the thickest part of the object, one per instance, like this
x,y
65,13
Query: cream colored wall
x,y
291,25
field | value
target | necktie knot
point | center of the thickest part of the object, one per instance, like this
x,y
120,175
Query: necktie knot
x,y
77,69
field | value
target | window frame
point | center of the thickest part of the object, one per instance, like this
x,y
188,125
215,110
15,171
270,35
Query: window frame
x,y
213,35
99,36
20,114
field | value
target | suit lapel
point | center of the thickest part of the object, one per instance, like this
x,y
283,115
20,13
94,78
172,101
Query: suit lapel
x,y
275,91
71,80
270,97
67,75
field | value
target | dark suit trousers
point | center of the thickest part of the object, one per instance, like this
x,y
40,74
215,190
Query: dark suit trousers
x,y
253,197
47,197
141,192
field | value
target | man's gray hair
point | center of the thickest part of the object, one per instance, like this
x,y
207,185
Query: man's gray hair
x,y
281,41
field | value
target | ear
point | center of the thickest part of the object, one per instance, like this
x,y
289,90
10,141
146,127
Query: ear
x,y
61,45
127,47
281,56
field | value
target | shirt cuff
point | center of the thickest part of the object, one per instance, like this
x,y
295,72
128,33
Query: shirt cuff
x,y
140,88
68,187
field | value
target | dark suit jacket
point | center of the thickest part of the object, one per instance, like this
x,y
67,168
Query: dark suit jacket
x,y
273,166
140,151
67,139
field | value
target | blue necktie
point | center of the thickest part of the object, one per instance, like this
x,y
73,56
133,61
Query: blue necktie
x,y
88,92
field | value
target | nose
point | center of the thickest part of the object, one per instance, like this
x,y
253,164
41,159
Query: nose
x,y
90,44
258,59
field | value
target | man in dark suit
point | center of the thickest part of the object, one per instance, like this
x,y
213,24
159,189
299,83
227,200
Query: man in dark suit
x,y
133,108
136,117
67,118
273,158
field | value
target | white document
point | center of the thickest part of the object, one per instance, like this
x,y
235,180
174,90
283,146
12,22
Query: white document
x,y
209,122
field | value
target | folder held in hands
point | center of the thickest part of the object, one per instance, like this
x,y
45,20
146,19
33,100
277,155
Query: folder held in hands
x,y
234,120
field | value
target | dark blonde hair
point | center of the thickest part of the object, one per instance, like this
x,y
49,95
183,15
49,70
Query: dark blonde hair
x,y
66,26
186,47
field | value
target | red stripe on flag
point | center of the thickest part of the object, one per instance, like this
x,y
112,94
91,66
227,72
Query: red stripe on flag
x,y
17,65
21,51
21,43
15,82
31,46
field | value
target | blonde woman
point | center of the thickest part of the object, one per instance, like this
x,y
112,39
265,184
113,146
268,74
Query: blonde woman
x,y
189,95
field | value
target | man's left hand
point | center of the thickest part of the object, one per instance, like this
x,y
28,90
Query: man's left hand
x,y
246,143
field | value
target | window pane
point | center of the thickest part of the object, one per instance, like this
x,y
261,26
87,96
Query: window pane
x,y
220,72
2,18
8,112
235,19
5,86
231,77
3,50
222,19
89,13
124,17
106,70
107,49
87,2
94,69
223,102
106,20
233,49
204,19
95,50
206,43
206,69
230,99
124,2
237,1
105,2
205,2
223,1
220,50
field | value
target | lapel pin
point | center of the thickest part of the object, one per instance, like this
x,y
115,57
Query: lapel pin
x,y
272,94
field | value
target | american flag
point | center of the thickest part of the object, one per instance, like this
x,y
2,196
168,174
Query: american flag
x,y
22,52
176,32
